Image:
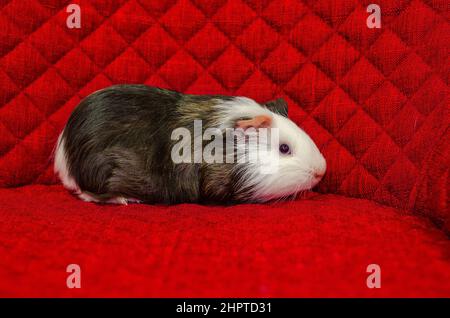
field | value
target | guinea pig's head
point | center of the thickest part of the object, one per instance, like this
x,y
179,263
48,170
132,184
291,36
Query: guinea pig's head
x,y
300,163
291,163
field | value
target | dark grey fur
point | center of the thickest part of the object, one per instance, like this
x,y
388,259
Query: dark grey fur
x,y
117,143
278,106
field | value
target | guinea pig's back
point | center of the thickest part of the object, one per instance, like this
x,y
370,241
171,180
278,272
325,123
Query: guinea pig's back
x,y
112,138
114,109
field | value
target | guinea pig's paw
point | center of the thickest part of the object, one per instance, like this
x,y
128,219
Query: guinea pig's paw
x,y
115,200
87,197
122,200
118,200
132,200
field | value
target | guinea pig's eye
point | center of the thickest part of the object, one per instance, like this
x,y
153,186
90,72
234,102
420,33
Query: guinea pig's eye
x,y
284,149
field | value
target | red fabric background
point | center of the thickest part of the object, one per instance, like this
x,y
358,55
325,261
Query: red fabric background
x,y
374,100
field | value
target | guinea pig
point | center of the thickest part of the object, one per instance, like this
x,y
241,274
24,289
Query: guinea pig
x,y
118,147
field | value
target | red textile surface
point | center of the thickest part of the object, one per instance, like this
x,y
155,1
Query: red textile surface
x,y
374,100
319,246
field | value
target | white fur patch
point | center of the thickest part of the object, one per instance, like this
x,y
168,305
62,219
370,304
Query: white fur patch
x,y
116,200
61,167
87,197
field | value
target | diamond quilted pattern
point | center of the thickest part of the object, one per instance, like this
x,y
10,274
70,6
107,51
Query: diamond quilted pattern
x,y
423,141
58,40
19,63
205,83
131,21
435,49
375,100
387,52
410,78
19,13
8,140
233,18
103,45
358,141
362,80
181,61
333,12
343,164
68,68
431,93
10,36
400,178
257,41
355,31
47,98
336,63
108,8
9,89
209,7
259,82
415,22
319,86
157,8
359,183
386,94
237,71
183,20
335,110
378,162
156,46
404,125
205,51
283,62
137,70
32,117
309,33
283,15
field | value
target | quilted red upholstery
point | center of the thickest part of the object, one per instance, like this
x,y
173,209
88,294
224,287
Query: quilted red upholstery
x,y
374,100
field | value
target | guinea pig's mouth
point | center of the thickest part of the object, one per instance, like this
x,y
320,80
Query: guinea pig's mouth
x,y
315,178
318,176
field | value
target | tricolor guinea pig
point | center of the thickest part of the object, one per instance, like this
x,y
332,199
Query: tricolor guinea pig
x,y
136,143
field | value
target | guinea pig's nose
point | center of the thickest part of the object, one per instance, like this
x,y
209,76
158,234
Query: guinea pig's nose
x,y
318,175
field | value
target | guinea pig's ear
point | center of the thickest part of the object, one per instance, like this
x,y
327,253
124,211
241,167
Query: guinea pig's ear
x,y
261,121
278,106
